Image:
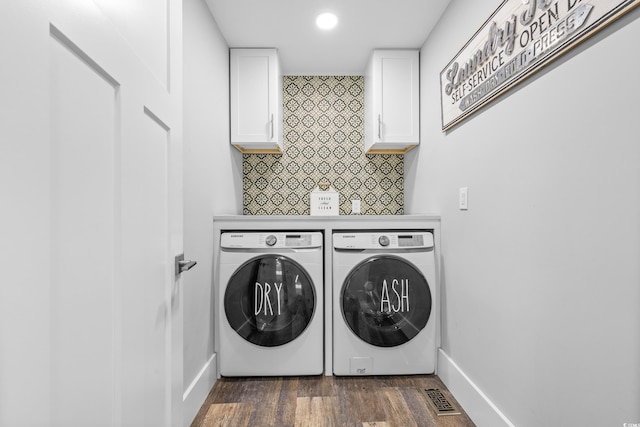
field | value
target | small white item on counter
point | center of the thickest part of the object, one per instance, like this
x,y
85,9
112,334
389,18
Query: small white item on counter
x,y
325,202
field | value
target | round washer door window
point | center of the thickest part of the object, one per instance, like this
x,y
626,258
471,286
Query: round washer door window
x,y
386,301
270,300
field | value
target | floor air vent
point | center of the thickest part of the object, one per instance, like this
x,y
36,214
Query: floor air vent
x,y
439,402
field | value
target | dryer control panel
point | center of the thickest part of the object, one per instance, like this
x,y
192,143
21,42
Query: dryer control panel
x,y
267,240
383,240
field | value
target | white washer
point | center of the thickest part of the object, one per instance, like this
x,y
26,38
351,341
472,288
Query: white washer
x,y
384,303
270,304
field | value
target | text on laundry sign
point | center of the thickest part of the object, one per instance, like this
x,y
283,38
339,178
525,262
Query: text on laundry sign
x,y
547,41
520,37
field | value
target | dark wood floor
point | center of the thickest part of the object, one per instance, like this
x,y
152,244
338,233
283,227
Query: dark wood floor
x,y
390,401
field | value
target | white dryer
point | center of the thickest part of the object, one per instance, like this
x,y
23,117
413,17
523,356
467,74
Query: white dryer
x,y
384,303
270,304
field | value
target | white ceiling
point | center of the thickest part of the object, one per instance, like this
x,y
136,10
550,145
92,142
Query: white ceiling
x,y
289,26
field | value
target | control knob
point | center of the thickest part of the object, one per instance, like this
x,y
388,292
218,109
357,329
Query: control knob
x,y
383,240
271,240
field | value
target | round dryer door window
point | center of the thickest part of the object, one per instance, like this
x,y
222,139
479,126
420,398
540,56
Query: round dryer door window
x,y
270,300
386,301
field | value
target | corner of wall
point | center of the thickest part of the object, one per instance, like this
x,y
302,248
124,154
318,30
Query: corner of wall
x,y
198,390
476,404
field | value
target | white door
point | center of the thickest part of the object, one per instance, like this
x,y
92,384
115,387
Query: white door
x,y
91,98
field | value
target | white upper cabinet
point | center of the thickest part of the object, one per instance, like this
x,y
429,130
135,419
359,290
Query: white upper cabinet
x,y
256,100
392,107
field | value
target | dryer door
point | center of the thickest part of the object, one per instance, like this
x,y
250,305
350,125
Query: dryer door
x,y
270,300
386,301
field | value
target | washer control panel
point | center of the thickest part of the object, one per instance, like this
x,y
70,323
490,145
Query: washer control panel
x,y
383,240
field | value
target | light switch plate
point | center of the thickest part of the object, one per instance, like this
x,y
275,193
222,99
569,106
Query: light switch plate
x,y
464,199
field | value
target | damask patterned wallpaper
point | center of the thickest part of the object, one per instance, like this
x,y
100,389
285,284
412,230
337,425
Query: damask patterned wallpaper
x,y
323,141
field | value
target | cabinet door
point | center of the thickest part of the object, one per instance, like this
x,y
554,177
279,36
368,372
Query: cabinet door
x,y
394,101
255,99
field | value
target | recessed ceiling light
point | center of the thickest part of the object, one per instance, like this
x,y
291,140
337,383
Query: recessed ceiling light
x,y
326,21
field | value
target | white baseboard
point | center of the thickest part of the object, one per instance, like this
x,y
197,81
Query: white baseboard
x,y
475,403
197,392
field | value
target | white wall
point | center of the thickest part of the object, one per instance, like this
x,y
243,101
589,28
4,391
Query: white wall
x,y
541,295
212,185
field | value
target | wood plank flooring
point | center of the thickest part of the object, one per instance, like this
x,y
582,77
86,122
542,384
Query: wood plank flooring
x,y
317,401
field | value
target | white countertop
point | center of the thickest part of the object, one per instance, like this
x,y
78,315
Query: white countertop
x,y
327,222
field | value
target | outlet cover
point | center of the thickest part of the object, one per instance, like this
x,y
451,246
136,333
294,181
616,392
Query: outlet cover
x,y
355,206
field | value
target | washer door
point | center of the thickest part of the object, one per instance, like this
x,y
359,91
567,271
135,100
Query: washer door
x,y
270,300
386,301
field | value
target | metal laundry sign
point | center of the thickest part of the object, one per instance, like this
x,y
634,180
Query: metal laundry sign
x,y
518,39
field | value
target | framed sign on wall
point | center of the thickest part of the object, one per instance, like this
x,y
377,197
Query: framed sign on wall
x,y
519,38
